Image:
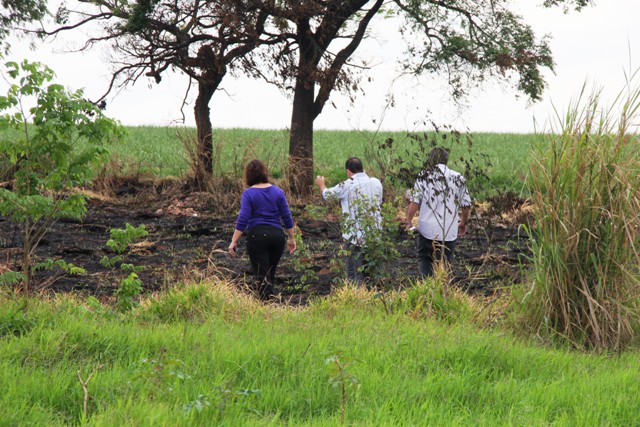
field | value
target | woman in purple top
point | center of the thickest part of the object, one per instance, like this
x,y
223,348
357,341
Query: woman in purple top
x,y
263,210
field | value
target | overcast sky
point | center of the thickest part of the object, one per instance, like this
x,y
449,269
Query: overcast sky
x,y
596,46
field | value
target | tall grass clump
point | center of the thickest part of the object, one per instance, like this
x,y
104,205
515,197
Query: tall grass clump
x,y
586,188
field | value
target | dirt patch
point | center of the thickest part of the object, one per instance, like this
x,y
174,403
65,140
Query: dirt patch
x,y
187,241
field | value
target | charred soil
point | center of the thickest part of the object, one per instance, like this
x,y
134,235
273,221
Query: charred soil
x,y
187,241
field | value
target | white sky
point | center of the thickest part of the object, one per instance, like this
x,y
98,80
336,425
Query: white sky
x,y
596,46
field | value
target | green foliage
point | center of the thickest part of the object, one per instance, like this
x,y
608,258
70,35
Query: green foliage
x,y
162,372
375,230
197,405
139,16
342,378
122,238
17,12
228,397
131,285
469,42
128,292
381,250
61,264
10,278
577,4
402,161
95,306
15,320
586,189
180,303
53,140
302,260
317,212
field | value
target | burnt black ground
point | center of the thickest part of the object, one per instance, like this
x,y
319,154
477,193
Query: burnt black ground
x,y
187,241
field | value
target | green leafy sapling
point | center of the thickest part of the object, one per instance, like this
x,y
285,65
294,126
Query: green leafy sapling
x,y
302,260
342,378
375,230
53,140
131,285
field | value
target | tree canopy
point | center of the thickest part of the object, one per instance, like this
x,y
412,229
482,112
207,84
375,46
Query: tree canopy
x,y
467,41
307,48
17,12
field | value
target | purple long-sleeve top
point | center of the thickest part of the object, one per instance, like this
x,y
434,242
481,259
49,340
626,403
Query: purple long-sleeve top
x,y
264,206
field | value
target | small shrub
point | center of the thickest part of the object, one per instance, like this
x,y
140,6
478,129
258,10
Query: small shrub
x,y
160,374
302,260
131,285
400,162
435,298
376,230
341,378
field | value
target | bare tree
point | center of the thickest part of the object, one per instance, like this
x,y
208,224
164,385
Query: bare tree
x,y
205,39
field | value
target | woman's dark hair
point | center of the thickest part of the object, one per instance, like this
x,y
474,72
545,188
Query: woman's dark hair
x,y
256,173
354,165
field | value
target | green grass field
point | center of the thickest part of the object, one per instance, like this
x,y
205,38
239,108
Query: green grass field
x,y
205,354
202,355
160,151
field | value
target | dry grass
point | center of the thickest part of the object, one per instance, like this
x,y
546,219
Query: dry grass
x,y
586,186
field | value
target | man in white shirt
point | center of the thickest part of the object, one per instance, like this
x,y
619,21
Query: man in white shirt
x,y
438,193
360,198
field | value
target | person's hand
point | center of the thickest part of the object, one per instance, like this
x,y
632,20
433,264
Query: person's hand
x,y
462,228
232,248
291,245
320,181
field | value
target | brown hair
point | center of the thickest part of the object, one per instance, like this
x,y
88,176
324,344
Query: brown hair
x,y
256,173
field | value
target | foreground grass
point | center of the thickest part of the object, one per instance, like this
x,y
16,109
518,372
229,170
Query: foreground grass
x,y
205,355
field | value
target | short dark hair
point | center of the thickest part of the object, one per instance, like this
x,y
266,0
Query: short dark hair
x,y
438,156
354,165
256,173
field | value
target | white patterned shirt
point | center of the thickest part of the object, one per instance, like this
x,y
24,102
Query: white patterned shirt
x,y
440,193
360,197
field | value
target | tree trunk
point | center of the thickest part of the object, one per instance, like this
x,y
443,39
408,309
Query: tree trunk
x,y
27,248
301,141
302,116
203,166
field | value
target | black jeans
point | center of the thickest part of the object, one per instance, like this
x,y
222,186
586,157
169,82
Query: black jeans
x,y
265,245
429,250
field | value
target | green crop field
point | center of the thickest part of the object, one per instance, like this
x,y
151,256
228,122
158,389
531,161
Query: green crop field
x,y
164,152
161,151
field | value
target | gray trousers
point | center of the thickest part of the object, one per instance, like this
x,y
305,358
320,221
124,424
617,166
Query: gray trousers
x,y
354,263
